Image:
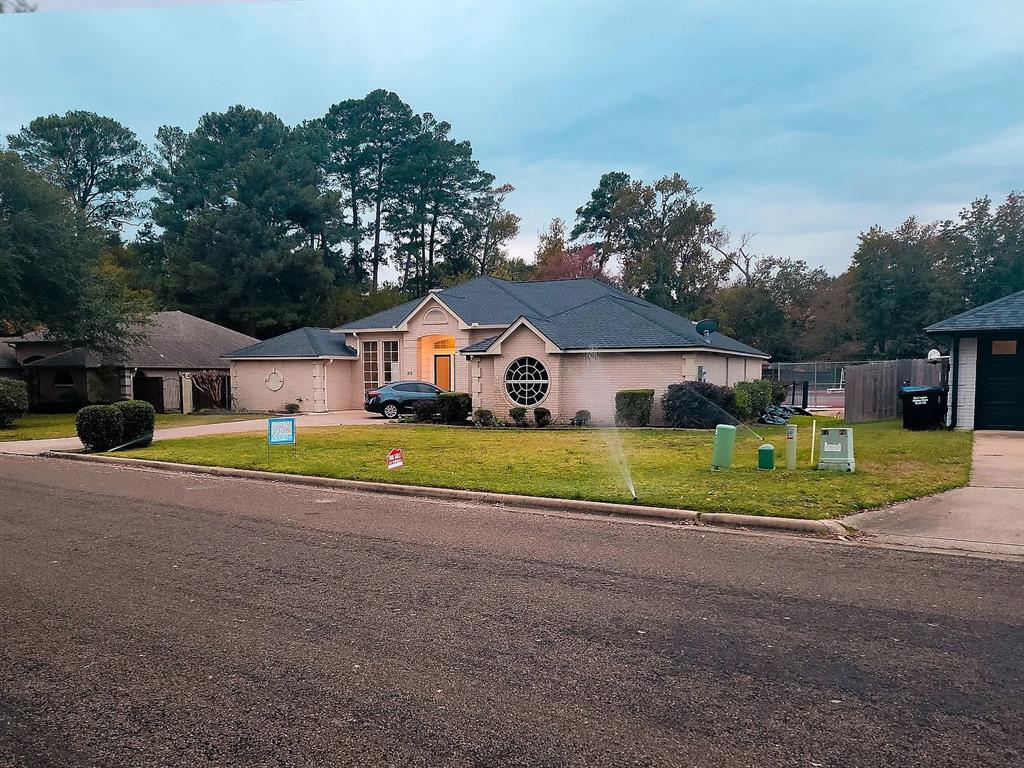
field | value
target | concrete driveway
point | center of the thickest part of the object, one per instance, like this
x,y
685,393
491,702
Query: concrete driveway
x,y
332,419
987,516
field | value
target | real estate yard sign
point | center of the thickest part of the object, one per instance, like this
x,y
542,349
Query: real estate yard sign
x,y
395,459
280,431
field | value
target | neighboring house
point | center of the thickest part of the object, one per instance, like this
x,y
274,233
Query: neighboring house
x,y
565,345
156,369
986,364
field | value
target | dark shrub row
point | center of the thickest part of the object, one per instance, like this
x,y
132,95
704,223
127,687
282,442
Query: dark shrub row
x,y
129,422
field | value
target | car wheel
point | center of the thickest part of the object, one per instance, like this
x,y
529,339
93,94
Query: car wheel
x,y
390,411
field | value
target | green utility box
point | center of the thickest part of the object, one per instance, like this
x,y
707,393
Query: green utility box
x,y
836,449
766,456
724,447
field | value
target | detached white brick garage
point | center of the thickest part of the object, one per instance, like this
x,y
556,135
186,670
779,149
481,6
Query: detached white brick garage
x,y
986,364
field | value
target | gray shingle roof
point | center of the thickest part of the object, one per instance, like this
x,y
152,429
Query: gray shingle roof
x,y
172,340
574,314
304,342
1002,314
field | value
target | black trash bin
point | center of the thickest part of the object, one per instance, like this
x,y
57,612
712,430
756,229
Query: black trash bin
x,y
923,407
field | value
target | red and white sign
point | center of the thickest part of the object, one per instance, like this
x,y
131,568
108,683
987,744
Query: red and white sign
x,y
396,459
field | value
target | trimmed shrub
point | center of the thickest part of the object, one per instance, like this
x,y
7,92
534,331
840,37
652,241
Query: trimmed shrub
x,y
541,416
425,410
581,419
633,407
698,405
484,418
779,391
292,407
454,407
99,427
138,419
13,400
518,416
753,398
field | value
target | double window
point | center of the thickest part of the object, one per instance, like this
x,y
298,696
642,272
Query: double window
x,y
380,363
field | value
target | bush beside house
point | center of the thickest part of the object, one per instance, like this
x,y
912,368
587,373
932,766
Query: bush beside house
x,y
13,400
633,407
518,416
482,417
698,405
752,398
454,407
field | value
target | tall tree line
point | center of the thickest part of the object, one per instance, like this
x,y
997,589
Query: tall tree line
x,y
670,250
262,226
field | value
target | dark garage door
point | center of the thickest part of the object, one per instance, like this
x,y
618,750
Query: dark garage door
x,y
1000,397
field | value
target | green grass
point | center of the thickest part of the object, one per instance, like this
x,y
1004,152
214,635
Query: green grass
x,y
41,426
670,467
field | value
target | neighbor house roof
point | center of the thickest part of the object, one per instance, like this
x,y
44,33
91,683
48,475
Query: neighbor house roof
x,y
575,314
304,342
171,340
1002,314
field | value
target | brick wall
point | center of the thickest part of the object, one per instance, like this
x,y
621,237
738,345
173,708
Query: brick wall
x,y
589,382
249,390
966,384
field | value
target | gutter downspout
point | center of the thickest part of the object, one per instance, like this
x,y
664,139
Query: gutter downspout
x,y
956,381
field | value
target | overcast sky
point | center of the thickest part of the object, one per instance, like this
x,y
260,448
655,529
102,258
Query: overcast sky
x,y
803,123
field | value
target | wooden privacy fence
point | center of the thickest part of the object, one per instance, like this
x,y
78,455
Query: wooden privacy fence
x,y
872,389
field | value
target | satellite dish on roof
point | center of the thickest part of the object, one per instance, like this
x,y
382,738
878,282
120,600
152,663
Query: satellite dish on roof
x,y
706,327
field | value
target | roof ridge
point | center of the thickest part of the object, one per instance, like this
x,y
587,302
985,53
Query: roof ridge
x,y
521,300
972,310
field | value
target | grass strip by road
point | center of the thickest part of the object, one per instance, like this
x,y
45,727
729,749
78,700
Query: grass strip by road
x,y
669,467
44,426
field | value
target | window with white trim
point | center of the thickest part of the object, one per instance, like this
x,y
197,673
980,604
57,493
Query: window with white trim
x,y
526,381
389,358
370,379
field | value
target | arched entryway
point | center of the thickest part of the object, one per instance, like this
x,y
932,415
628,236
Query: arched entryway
x,y
436,360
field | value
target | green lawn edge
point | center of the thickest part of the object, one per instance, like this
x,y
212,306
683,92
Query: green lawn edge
x,y
670,467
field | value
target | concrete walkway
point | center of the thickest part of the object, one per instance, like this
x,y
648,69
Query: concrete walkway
x,y
987,516
332,419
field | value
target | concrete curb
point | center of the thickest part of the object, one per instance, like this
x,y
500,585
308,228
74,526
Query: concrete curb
x,y
828,528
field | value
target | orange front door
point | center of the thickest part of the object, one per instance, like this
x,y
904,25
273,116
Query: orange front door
x,y
443,371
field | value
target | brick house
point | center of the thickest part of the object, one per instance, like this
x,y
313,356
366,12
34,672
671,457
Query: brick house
x,y
562,344
157,368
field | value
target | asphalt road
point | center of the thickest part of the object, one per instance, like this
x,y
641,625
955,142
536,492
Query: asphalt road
x,y
150,618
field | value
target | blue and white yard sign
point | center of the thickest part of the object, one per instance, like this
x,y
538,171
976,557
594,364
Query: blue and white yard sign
x,y
281,431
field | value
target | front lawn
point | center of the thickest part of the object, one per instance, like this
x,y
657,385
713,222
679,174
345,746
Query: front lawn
x,y
669,467
41,426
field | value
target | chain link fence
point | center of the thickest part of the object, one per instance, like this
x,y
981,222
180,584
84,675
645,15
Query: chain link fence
x,y
823,381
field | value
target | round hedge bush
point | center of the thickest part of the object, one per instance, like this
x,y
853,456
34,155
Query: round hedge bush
x,y
518,415
139,419
13,400
454,407
99,427
542,416
425,410
483,417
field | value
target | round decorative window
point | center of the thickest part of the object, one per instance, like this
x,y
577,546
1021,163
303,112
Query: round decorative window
x,y
274,380
526,381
